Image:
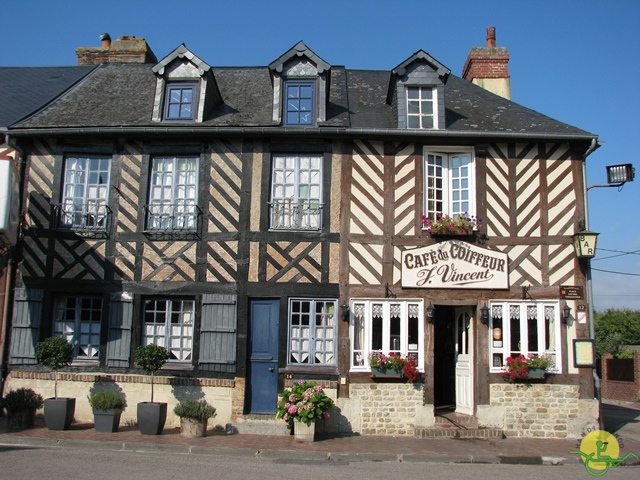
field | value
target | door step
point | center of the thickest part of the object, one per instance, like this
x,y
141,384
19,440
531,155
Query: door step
x,y
436,432
450,424
455,420
255,424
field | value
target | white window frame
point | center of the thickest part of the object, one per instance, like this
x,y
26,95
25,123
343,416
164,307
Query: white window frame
x,y
173,194
361,330
78,319
296,192
176,337
450,187
548,343
85,192
420,102
318,343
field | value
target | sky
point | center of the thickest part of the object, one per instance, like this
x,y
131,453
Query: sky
x,y
577,61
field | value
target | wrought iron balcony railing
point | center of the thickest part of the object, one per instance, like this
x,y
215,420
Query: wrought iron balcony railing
x,y
87,217
292,215
171,218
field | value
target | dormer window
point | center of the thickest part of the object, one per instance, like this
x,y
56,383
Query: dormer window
x,y
300,87
180,101
300,102
186,90
421,107
416,92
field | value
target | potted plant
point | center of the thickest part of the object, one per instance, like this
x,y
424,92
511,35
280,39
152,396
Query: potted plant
x,y
56,353
537,365
461,224
151,415
301,406
531,367
107,408
194,415
393,365
21,405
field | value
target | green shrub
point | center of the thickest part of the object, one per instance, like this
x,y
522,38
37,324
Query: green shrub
x,y
22,399
106,400
151,357
194,409
55,353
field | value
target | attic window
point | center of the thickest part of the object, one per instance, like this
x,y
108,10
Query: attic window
x,y
180,101
300,102
421,107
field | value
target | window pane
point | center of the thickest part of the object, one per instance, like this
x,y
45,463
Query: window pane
x,y
78,320
84,201
173,185
311,332
296,192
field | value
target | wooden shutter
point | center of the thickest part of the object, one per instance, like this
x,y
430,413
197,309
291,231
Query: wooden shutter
x,y
25,327
120,323
218,333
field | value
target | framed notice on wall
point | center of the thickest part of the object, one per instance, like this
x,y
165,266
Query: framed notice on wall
x,y
584,355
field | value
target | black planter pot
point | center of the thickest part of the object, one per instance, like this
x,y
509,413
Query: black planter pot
x,y
107,421
151,417
58,413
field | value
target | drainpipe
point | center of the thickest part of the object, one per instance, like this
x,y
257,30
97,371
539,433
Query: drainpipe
x,y
592,328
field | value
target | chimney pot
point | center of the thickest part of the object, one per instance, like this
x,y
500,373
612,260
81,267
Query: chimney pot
x,y
491,37
106,40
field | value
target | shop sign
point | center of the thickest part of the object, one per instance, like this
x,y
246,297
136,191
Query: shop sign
x,y
454,264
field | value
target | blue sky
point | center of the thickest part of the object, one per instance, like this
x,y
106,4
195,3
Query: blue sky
x,y
574,60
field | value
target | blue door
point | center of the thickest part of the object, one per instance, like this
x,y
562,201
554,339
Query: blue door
x,y
263,356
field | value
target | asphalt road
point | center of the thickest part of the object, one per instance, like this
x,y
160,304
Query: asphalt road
x,y
19,463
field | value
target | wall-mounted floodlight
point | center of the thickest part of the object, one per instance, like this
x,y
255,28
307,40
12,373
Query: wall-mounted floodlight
x,y
620,173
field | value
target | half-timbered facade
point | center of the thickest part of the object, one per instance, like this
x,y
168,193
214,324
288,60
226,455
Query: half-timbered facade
x,y
268,224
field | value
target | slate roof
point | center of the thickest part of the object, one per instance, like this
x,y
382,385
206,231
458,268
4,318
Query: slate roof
x,y
121,95
25,89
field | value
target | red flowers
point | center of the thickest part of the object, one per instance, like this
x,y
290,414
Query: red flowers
x,y
395,361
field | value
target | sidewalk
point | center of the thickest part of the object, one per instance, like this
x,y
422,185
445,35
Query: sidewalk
x,y
351,448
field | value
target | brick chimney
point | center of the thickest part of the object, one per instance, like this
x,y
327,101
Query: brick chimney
x,y
126,49
488,67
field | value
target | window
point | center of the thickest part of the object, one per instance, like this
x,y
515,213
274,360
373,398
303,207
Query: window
x,y
78,320
524,328
449,184
180,101
387,326
85,193
299,108
173,194
169,323
296,192
312,332
421,107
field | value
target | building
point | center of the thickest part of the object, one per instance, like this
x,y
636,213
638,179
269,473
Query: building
x,y
25,90
266,224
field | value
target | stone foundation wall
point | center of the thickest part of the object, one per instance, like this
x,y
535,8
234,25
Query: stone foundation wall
x,y
541,410
135,388
386,408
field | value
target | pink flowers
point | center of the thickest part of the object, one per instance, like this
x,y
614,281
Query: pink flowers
x,y
304,401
